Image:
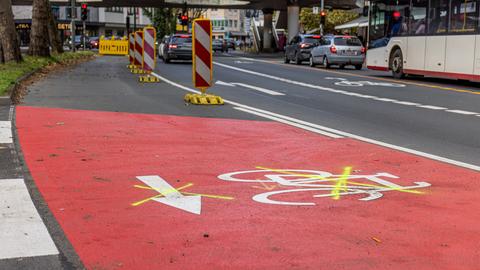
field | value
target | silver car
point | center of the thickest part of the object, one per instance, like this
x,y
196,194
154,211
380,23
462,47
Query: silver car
x,y
338,50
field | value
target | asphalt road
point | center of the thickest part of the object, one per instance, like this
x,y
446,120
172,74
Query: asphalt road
x,y
439,117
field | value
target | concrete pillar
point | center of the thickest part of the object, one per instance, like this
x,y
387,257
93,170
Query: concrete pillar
x,y
267,30
293,11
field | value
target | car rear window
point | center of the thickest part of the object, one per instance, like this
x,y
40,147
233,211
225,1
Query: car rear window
x,y
312,39
347,41
182,39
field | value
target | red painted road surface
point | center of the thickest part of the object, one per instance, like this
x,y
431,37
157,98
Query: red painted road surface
x,y
85,164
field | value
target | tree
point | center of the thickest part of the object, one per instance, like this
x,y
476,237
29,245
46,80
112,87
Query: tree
x,y
10,48
53,35
335,17
163,19
39,40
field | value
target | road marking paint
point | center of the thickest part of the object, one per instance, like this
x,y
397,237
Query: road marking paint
x,y
189,193
371,77
400,102
171,196
6,132
314,130
161,194
341,183
22,231
407,103
338,132
462,112
224,83
260,89
432,107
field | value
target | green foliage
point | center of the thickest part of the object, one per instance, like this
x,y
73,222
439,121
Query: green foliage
x,y
163,19
12,71
335,17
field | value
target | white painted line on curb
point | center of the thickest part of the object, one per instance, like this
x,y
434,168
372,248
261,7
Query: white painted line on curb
x,y
6,132
260,89
22,232
462,112
336,132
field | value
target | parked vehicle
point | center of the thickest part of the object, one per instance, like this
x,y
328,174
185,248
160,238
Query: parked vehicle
x,y
178,47
161,46
230,43
338,50
219,45
78,42
298,49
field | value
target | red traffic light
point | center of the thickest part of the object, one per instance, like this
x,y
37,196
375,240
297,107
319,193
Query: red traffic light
x,y
84,6
323,13
184,17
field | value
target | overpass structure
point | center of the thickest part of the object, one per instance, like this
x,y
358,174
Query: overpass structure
x,y
289,7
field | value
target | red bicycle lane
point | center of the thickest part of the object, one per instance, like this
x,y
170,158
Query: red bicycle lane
x,y
138,191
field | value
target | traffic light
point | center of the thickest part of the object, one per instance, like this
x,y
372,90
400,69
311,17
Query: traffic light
x,y
184,20
323,17
84,12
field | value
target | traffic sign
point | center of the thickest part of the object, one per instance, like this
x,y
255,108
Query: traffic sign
x,y
131,49
149,53
202,54
139,49
315,10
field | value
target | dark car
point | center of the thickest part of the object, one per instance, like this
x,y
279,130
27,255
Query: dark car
x,y
231,43
178,47
94,42
299,48
219,45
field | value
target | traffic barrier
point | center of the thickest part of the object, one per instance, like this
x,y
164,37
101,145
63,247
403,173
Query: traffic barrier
x,y
113,46
131,50
149,54
202,68
138,53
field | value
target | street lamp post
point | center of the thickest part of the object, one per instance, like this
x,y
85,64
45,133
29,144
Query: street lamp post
x,y
73,13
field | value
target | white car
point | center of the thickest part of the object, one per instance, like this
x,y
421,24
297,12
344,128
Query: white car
x,y
161,46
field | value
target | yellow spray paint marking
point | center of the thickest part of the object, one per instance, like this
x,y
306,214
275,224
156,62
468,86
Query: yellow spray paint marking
x,y
313,176
341,183
265,186
158,195
178,189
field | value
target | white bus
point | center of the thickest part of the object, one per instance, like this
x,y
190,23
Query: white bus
x,y
438,38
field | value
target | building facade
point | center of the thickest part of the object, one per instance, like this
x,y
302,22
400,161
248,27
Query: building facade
x,y
227,23
101,21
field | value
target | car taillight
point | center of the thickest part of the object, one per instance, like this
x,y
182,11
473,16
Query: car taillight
x,y
172,46
363,50
333,49
304,45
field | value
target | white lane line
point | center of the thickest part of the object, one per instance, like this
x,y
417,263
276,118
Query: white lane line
x,y
328,89
6,132
433,107
462,112
260,89
337,132
318,131
22,232
407,103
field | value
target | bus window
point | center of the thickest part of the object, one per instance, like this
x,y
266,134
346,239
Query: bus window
x,y
438,19
418,17
463,16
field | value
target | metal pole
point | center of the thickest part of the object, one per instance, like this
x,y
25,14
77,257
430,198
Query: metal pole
x,y
73,13
322,6
83,35
134,19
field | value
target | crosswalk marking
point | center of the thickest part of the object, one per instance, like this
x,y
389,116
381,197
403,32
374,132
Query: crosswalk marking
x,y
6,132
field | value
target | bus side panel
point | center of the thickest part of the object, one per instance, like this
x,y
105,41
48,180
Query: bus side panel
x,y
435,53
460,54
376,58
477,55
415,53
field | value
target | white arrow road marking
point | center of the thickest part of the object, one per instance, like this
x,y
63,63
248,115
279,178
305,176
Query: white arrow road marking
x,y
260,89
172,197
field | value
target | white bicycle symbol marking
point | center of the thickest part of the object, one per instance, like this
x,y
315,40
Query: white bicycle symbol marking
x,y
345,82
312,180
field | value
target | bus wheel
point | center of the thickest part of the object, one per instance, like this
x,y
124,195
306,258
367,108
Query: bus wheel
x,y
396,64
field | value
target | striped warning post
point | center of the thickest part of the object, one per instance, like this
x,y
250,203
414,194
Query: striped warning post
x,y
149,56
138,61
131,48
202,54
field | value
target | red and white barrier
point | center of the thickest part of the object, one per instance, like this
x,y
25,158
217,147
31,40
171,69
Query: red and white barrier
x,y
131,48
202,54
149,52
138,49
